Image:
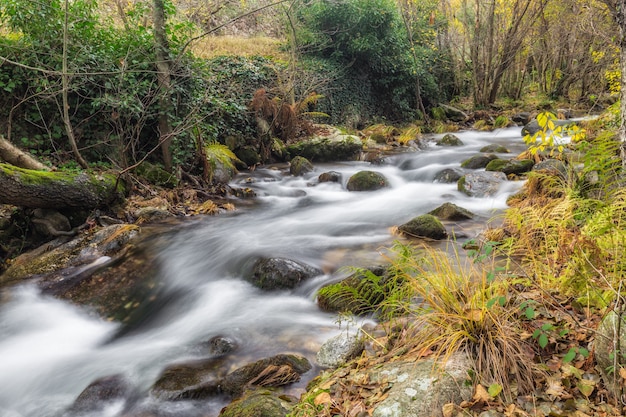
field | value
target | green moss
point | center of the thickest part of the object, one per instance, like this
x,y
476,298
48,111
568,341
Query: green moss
x,y
32,177
496,165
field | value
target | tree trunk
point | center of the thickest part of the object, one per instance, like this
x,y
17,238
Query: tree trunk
x,y
162,53
56,190
65,79
11,154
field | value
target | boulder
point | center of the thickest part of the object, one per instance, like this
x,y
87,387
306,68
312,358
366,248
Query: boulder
x,y
450,211
367,181
481,183
478,161
276,371
604,349
101,392
332,147
449,175
280,273
521,118
422,388
552,167
147,215
449,140
330,176
512,166
454,114
426,226
494,148
300,166
248,155
340,349
259,403
191,380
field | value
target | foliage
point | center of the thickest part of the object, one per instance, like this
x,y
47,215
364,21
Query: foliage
x,y
368,39
550,135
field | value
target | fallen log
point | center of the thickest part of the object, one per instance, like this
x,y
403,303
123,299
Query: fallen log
x,y
57,190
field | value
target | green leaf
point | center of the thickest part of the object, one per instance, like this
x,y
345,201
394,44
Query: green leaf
x,y
584,352
569,356
530,313
543,340
494,390
536,333
547,327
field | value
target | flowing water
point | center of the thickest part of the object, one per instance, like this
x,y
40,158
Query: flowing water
x,y
50,350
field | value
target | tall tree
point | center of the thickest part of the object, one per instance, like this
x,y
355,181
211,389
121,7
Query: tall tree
x,y
618,11
164,77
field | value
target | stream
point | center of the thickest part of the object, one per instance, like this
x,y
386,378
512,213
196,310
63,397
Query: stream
x,y
51,350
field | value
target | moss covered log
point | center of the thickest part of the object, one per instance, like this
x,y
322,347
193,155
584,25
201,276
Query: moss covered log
x,y
56,190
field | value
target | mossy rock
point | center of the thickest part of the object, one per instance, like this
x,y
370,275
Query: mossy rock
x,y
248,155
450,211
367,181
425,226
327,149
494,148
478,161
156,175
300,166
259,403
449,140
513,166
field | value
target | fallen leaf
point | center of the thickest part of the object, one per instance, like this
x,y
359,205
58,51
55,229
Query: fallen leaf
x,y
586,387
481,395
555,387
323,398
448,410
622,373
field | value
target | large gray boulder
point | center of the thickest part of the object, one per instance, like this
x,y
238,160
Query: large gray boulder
x,y
280,273
422,388
367,181
425,226
481,183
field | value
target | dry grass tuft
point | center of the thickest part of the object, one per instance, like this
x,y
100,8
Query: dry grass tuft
x,y
460,306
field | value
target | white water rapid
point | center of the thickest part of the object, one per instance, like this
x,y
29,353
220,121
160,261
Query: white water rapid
x,y
51,350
